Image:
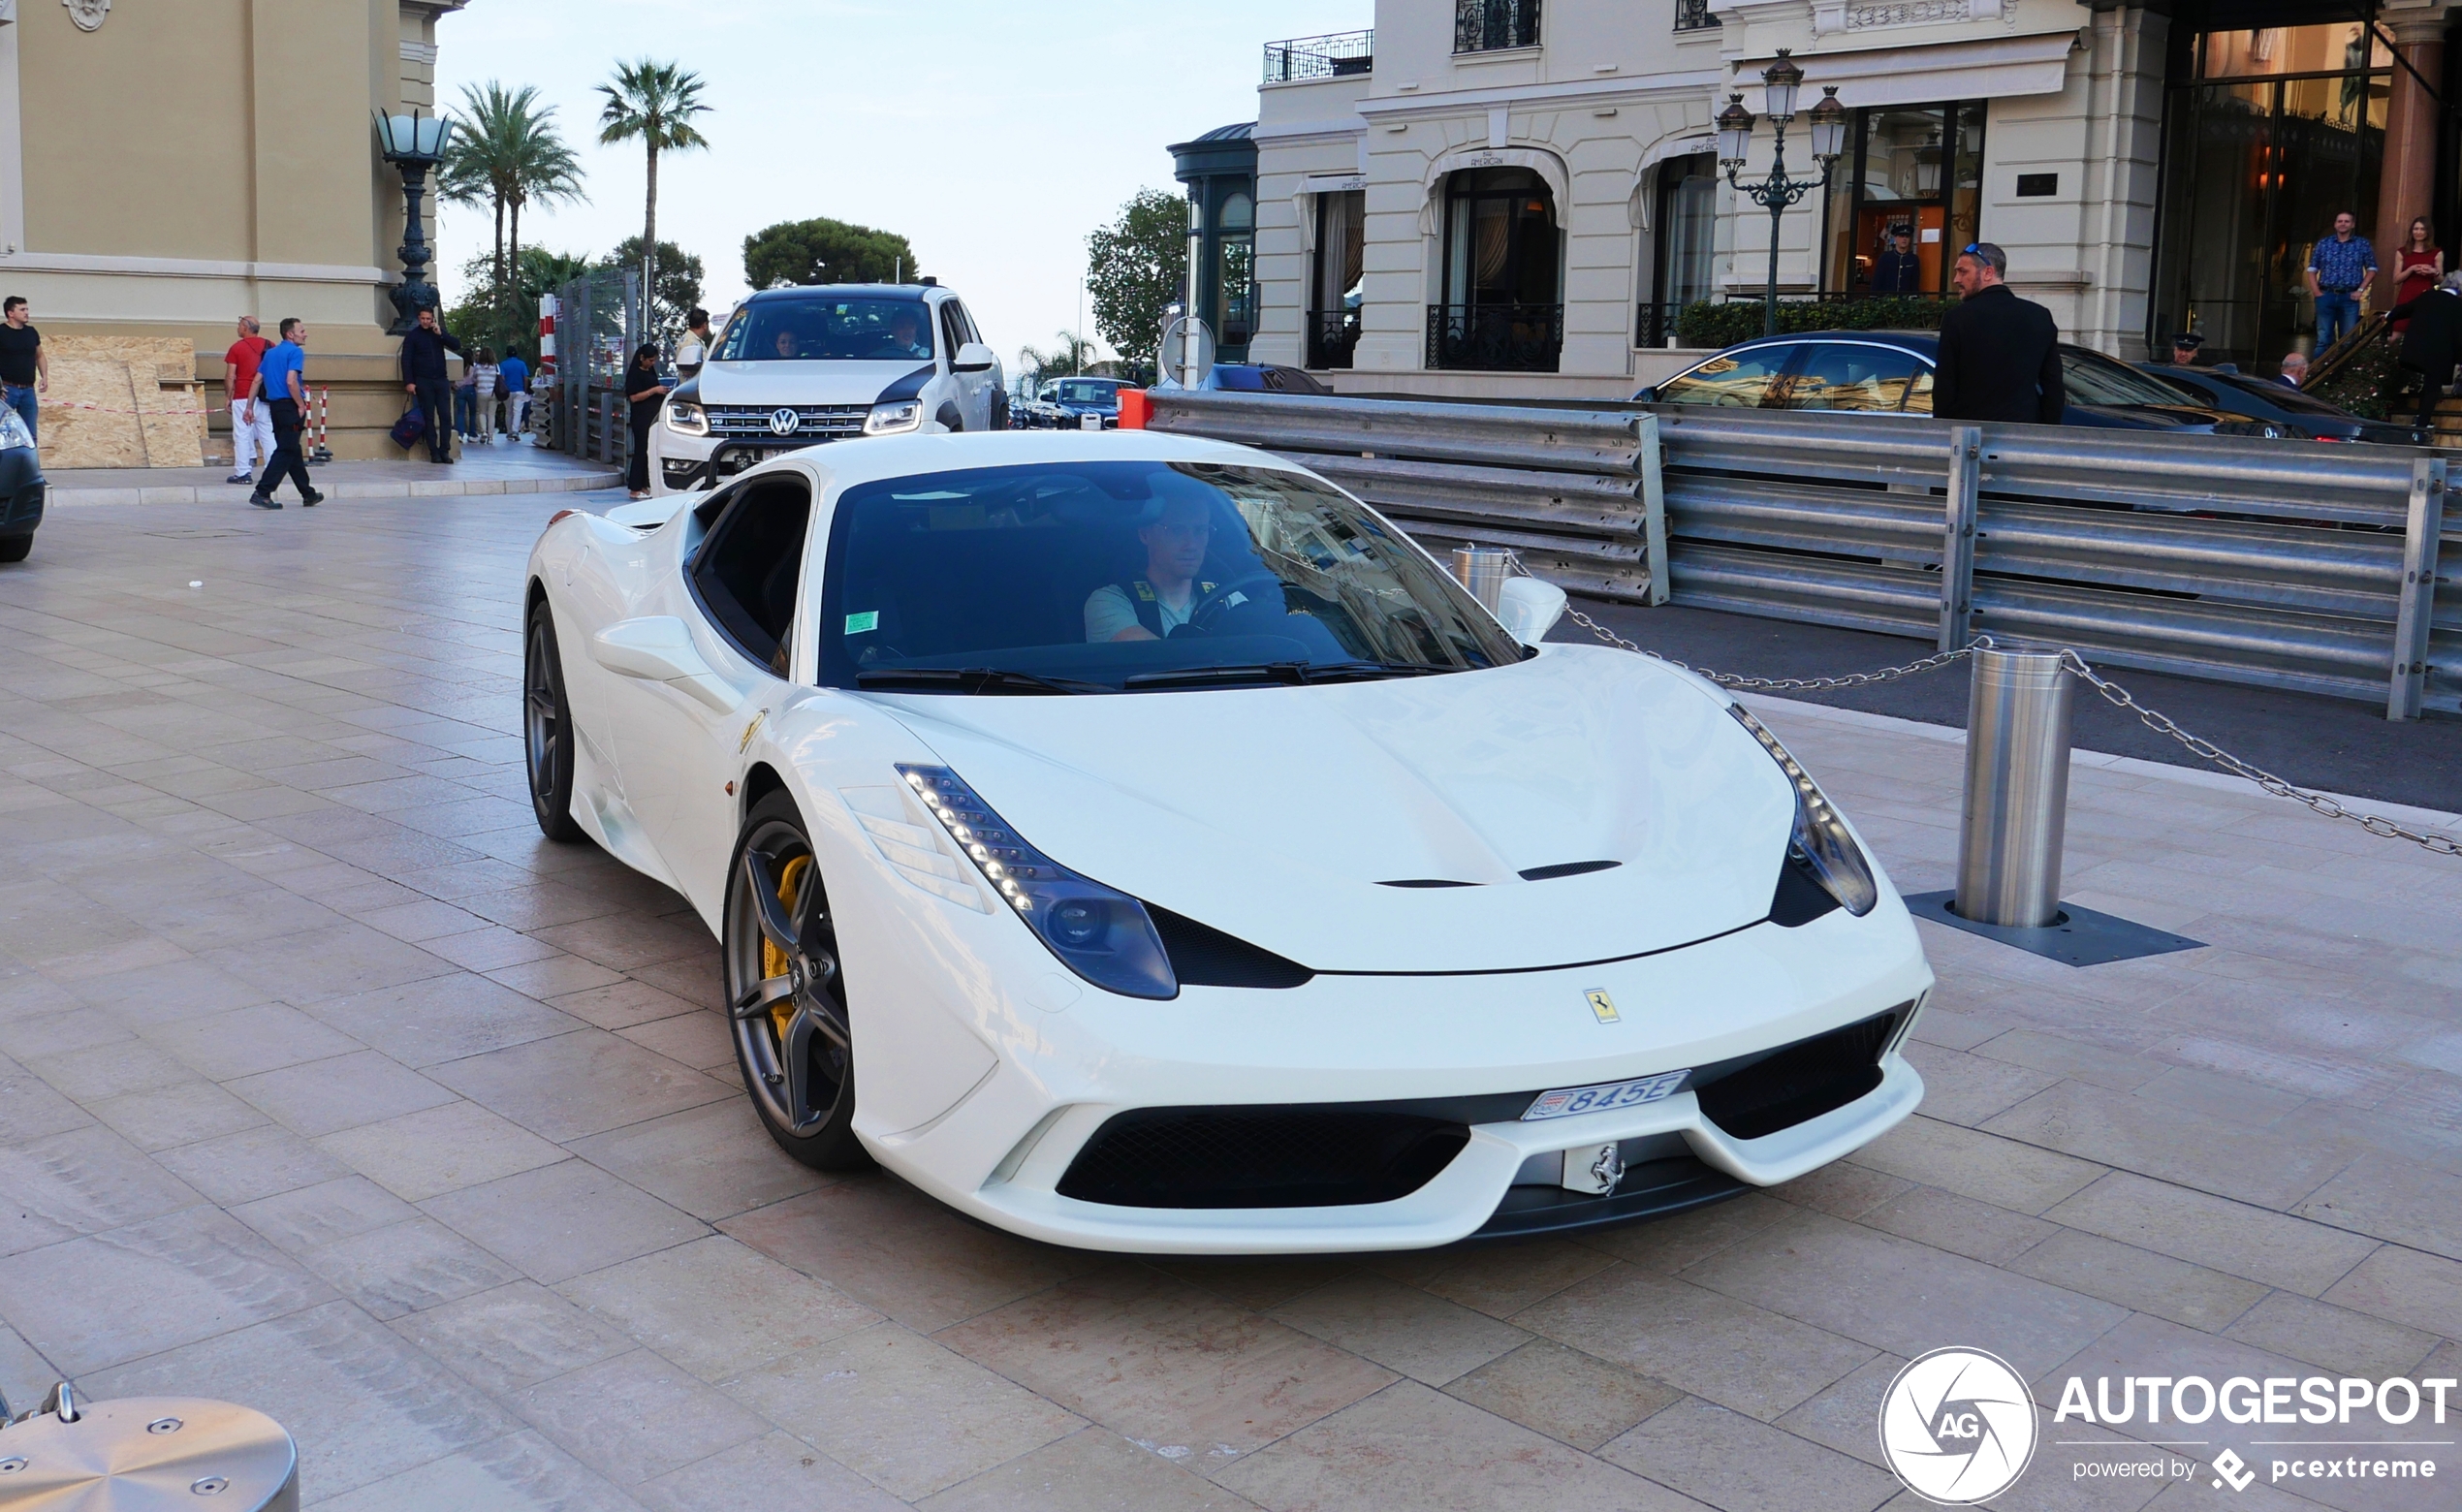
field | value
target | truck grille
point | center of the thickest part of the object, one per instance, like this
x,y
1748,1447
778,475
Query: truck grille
x,y
812,422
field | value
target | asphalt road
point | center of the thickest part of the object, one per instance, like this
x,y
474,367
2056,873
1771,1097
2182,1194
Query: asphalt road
x,y
2338,744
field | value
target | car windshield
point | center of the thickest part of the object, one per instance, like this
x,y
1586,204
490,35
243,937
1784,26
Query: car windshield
x,y
1086,391
2092,379
883,329
1113,576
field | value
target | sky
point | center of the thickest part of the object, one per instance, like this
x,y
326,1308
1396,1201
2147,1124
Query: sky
x,y
994,137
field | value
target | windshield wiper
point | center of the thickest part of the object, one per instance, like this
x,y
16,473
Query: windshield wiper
x,y
975,680
1287,674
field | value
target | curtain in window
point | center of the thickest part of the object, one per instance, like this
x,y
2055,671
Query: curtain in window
x,y
1338,248
1491,234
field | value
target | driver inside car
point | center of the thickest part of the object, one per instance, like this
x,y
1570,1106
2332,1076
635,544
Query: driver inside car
x,y
1148,607
904,326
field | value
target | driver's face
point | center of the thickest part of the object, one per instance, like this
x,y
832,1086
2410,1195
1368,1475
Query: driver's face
x,y
1175,543
902,327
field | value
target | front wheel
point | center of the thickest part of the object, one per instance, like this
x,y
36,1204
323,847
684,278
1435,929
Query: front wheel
x,y
546,729
786,992
13,549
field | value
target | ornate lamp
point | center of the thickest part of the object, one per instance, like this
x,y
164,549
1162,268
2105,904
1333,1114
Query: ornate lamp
x,y
1928,167
1829,128
414,143
1779,83
1735,133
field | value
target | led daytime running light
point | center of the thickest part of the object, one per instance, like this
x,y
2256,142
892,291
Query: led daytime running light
x,y
1822,840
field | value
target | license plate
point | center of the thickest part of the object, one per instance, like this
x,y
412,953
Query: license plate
x,y
1565,1102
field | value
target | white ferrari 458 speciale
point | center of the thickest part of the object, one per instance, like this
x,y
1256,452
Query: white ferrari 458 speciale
x,y
1138,843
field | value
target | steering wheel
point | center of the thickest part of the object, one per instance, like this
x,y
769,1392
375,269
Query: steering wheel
x,y
1203,614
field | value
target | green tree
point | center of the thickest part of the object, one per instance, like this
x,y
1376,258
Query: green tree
x,y
821,250
653,103
1135,269
507,153
679,286
1068,354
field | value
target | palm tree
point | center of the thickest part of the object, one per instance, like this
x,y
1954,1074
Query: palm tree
x,y
655,103
508,154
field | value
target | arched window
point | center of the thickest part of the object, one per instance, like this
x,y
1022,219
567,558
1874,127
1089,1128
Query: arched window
x,y
1502,304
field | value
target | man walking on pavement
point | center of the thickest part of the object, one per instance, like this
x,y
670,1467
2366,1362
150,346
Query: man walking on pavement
x,y
280,384
424,378
513,375
2338,269
251,423
2000,355
25,371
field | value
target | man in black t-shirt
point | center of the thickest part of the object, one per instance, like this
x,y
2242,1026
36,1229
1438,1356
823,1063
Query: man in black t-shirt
x,y
24,369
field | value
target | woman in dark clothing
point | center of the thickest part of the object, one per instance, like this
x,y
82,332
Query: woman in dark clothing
x,y
643,387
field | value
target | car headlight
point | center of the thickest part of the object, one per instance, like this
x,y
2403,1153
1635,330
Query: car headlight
x,y
688,419
13,431
1820,842
1099,932
895,416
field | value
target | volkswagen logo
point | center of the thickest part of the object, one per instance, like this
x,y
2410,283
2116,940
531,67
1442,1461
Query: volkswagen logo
x,y
782,422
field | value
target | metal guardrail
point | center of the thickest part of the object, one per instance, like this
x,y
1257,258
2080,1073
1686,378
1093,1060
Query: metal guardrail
x,y
2320,569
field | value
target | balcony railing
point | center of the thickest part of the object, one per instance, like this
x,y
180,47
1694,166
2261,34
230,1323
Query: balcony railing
x,y
1332,334
1696,16
1495,338
1489,25
1330,57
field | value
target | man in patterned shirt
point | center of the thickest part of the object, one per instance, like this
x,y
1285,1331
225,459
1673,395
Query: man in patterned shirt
x,y
2338,268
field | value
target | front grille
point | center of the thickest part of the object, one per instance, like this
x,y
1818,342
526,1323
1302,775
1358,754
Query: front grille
x,y
1802,1081
812,422
1271,1156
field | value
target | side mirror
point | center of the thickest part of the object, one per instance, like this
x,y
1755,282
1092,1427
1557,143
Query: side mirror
x,y
658,648
973,358
1648,395
1529,609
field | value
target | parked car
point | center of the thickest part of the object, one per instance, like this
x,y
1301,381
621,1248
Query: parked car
x,y
2298,415
1256,378
798,367
1889,372
1346,915
21,488
1072,399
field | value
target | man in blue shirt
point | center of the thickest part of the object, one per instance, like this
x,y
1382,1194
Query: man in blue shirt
x,y
2338,269
279,383
513,377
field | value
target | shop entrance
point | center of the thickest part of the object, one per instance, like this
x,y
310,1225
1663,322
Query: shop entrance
x,y
1906,196
2271,131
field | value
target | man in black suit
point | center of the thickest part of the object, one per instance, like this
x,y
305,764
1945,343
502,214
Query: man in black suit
x,y
2433,343
2000,355
1898,270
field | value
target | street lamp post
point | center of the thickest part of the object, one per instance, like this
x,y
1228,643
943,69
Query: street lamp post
x,y
1777,192
414,143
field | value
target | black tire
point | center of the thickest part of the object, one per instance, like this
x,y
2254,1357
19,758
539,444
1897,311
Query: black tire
x,y
546,729
796,1052
13,549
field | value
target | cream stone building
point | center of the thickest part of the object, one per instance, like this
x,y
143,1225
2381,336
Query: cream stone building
x,y
168,165
1492,196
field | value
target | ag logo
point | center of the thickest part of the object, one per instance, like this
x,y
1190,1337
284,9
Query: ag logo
x,y
1958,1425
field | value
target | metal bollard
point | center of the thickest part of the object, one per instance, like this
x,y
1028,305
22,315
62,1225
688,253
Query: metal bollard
x,y
141,1453
1483,570
2009,831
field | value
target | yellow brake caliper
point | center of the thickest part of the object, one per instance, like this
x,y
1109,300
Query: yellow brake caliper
x,y
774,959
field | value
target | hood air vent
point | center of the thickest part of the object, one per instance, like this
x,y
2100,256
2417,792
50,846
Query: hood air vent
x,y
1568,869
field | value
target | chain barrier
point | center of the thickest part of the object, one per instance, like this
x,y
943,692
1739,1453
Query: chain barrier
x,y
2112,693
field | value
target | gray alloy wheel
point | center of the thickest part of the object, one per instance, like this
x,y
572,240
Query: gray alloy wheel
x,y
786,996
546,729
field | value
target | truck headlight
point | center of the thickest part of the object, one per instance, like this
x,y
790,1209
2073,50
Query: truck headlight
x,y
13,431
893,417
688,419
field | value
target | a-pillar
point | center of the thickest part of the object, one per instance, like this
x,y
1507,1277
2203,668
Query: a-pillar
x,y
2406,182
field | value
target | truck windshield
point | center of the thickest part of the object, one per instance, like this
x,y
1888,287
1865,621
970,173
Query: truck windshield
x,y
817,329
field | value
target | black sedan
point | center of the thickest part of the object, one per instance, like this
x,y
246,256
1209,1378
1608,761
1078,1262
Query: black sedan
x,y
2301,416
1889,372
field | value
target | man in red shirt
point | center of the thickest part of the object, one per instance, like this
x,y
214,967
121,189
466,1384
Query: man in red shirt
x,y
251,423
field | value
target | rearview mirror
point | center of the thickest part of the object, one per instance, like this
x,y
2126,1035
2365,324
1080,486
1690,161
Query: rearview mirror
x,y
1529,609
659,649
972,357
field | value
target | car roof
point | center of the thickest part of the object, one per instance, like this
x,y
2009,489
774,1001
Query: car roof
x,y
845,463
854,291
1925,341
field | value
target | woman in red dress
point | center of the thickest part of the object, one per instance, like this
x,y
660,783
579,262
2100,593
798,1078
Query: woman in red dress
x,y
2418,266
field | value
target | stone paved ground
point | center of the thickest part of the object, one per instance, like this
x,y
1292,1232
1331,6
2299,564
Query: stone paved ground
x,y
329,1087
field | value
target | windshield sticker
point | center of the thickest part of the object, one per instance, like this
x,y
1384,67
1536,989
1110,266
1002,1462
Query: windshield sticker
x,y
859,624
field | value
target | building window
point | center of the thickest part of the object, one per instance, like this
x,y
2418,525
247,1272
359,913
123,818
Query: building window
x,y
1502,307
1333,312
2269,134
1907,194
1236,264
1696,16
1683,234
1490,25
